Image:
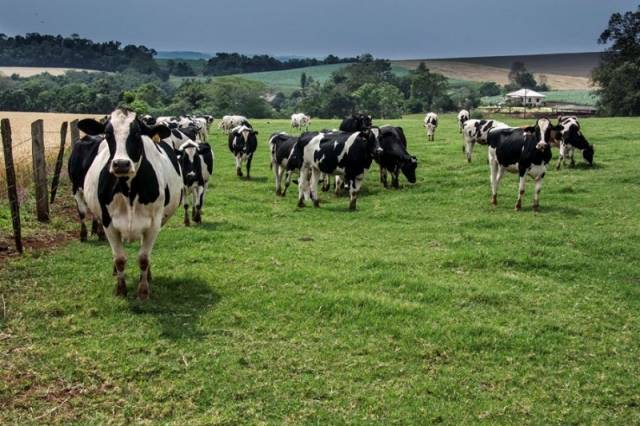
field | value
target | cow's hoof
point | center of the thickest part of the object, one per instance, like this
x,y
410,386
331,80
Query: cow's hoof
x,y
187,222
143,295
300,204
494,201
278,193
468,160
316,203
239,172
536,208
352,206
83,235
518,207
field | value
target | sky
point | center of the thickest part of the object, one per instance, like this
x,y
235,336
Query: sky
x,y
395,29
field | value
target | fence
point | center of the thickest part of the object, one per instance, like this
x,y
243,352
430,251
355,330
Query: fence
x,y
24,167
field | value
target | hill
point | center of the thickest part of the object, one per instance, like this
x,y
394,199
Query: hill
x,y
566,71
181,54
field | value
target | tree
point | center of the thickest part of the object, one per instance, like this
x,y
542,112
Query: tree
x,y
520,77
489,88
618,74
303,81
425,87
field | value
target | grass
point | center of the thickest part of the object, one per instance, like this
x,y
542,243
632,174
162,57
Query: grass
x,y
424,306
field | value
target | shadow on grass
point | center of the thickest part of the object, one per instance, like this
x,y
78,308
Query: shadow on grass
x,y
220,226
177,304
255,179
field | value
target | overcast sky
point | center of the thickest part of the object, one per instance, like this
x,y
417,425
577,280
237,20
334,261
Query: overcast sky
x,y
385,28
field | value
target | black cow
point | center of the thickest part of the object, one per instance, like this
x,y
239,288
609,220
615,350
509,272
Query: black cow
x,y
356,123
394,157
522,150
196,161
243,143
281,147
572,139
345,155
82,155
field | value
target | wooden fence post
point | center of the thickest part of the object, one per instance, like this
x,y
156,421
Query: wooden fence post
x,y
56,173
39,170
74,133
12,191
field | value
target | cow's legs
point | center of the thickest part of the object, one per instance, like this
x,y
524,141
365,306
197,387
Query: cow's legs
x,y
315,177
520,192
277,171
536,195
82,208
144,261
119,259
395,181
287,182
495,170
468,149
561,153
303,184
571,153
354,188
326,182
249,166
337,182
185,202
383,177
198,199
239,165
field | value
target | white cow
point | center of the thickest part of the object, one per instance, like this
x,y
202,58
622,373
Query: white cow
x,y
229,122
463,116
476,131
300,121
133,187
431,124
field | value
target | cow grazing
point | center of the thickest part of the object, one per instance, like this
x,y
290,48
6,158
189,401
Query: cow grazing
x,y
572,139
243,143
431,124
356,123
229,122
281,146
82,155
133,186
477,131
394,157
463,116
196,163
345,155
300,121
526,151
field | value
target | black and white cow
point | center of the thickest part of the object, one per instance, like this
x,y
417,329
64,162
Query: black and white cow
x,y
431,124
133,186
525,151
83,153
463,117
572,139
243,143
356,123
476,131
345,155
394,157
196,162
281,146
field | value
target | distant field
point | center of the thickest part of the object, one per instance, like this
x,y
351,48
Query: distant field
x,y
31,71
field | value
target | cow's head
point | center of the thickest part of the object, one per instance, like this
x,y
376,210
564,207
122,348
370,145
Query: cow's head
x,y
408,168
124,133
572,135
241,136
546,134
189,162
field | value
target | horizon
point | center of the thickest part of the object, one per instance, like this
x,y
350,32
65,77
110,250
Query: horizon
x,y
414,31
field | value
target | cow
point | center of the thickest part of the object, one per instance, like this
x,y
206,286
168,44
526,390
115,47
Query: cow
x,y
356,123
196,163
242,144
230,122
394,157
83,153
526,151
133,186
345,155
431,124
300,121
476,131
572,139
463,116
281,146
178,137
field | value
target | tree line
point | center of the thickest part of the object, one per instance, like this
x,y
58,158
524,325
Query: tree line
x,y
235,63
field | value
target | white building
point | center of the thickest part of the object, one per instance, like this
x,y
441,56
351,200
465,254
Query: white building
x,y
526,97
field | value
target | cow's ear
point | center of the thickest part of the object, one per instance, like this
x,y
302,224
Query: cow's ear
x,y
160,131
91,127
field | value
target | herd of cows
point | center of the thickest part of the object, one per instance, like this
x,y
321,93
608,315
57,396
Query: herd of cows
x,y
130,174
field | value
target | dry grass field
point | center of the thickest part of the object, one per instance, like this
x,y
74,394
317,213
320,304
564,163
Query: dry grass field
x,y
21,136
31,71
478,72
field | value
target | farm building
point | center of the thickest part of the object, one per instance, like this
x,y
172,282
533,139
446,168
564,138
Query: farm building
x,y
526,97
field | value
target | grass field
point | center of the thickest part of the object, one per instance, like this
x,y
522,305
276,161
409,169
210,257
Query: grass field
x,y
424,306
